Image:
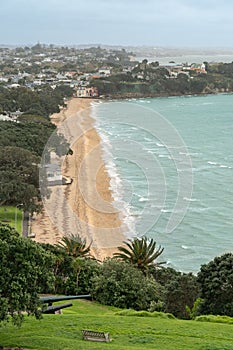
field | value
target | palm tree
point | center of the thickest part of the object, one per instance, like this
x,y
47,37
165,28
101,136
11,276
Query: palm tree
x,y
75,246
140,252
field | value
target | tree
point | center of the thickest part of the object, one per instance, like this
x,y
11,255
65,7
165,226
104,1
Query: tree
x,y
72,275
122,285
31,133
180,291
140,252
19,178
80,281
181,294
216,281
75,246
25,271
42,101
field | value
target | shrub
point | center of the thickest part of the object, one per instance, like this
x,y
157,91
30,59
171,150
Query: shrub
x,y
215,319
130,312
122,285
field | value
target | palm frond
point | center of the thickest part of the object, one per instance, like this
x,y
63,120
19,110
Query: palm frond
x,y
74,245
139,251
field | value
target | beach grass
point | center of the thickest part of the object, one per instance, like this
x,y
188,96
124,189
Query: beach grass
x,y
63,332
12,216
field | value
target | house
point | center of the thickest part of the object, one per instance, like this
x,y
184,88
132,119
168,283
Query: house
x,y
104,72
5,117
85,92
196,67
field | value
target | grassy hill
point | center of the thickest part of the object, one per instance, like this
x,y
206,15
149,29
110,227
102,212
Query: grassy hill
x,y
12,216
63,332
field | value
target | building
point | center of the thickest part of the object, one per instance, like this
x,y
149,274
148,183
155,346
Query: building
x,y
87,92
196,67
104,72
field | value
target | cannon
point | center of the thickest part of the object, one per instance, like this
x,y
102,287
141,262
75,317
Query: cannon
x,y
54,309
53,299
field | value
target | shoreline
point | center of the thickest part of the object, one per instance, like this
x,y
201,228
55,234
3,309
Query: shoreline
x,y
130,96
96,222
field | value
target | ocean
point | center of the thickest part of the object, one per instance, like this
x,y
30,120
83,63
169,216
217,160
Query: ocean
x,y
200,58
171,166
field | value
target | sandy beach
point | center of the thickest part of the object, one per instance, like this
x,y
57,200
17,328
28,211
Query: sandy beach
x,y
85,206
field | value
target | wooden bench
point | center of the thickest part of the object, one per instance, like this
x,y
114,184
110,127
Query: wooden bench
x,y
95,336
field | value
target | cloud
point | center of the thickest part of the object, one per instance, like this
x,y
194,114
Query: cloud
x,y
135,21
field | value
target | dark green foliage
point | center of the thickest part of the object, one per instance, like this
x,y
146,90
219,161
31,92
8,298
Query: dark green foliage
x,y
216,282
140,252
62,267
226,69
165,275
43,101
181,291
19,177
79,280
26,134
148,79
71,278
25,271
122,285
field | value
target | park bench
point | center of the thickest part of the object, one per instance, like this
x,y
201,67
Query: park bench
x,y
95,336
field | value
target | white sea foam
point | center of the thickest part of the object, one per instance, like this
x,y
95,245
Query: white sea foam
x,y
204,221
147,139
116,186
164,156
190,199
166,210
142,199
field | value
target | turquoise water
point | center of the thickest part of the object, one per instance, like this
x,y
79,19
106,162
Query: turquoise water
x,y
149,155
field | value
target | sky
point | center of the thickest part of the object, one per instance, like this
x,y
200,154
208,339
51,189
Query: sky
x,y
176,23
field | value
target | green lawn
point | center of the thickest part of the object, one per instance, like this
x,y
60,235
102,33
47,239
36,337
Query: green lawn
x,y
63,332
9,214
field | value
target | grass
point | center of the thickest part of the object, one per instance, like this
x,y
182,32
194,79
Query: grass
x,y
8,214
63,332
216,319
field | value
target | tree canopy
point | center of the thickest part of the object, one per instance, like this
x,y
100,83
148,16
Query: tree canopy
x,y
19,177
25,271
43,101
216,282
26,134
122,285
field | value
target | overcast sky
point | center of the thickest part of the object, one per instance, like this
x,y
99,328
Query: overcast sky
x,y
193,23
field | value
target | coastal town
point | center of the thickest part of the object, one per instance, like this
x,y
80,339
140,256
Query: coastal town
x,y
52,65
39,65
63,228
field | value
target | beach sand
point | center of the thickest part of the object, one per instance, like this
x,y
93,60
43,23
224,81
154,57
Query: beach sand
x,y
84,206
